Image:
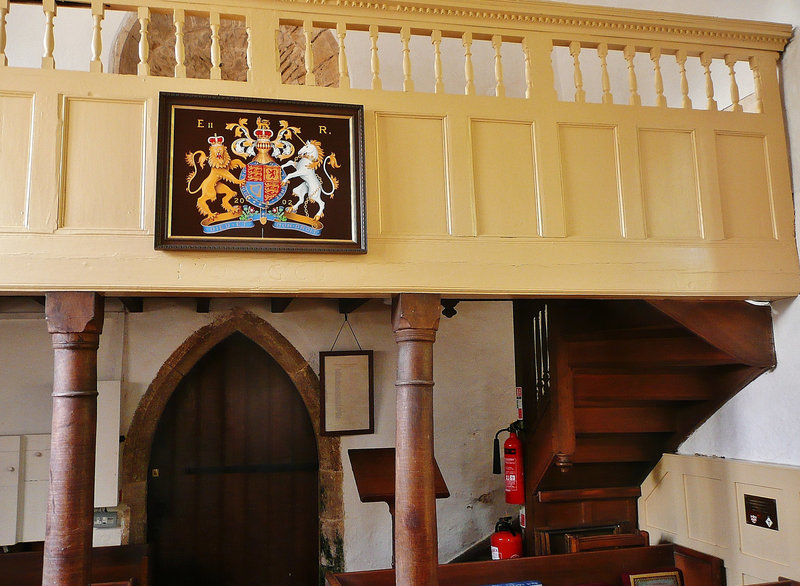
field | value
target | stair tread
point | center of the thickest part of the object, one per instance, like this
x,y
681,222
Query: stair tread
x,y
659,352
611,419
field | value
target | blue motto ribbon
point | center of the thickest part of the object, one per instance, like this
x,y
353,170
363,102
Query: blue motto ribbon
x,y
310,230
230,225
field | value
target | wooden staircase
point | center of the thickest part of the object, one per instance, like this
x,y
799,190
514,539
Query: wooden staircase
x,y
610,385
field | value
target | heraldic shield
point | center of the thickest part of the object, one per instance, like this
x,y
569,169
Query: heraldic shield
x,y
263,184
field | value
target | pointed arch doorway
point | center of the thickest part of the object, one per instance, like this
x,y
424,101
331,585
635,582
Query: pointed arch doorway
x,y
209,523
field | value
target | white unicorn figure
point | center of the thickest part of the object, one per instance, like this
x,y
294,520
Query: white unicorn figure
x,y
309,158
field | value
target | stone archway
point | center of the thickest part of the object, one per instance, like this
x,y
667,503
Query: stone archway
x,y
136,450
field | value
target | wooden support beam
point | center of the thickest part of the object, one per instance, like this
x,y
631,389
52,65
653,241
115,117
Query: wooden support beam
x,y
415,319
350,305
75,322
203,304
279,304
132,304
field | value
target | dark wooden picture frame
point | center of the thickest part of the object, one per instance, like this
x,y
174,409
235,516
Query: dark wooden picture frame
x,y
251,174
347,394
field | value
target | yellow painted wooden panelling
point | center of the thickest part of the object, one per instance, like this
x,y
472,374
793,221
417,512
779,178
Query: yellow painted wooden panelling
x,y
744,186
659,505
505,178
747,579
412,175
706,512
472,190
702,514
102,165
590,174
15,158
668,163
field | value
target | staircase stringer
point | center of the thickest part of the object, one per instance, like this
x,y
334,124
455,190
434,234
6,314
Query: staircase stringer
x,y
740,329
693,417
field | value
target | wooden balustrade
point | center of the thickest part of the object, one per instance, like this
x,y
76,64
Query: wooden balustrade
x,y
582,64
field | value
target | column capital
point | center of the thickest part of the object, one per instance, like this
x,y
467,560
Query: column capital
x,y
74,312
416,311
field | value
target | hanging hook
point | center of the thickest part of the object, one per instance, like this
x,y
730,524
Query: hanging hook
x,y
345,321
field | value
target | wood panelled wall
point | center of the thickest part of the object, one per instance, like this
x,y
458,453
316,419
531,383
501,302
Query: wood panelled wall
x,y
557,194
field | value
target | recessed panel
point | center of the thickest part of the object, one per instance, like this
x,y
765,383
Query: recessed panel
x,y
744,186
102,165
747,579
505,178
412,175
670,190
15,145
590,175
706,504
663,506
759,542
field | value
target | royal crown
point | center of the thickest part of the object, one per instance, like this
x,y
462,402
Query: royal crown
x,y
262,132
216,140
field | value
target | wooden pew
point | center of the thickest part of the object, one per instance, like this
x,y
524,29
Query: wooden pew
x,y
601,567
122,563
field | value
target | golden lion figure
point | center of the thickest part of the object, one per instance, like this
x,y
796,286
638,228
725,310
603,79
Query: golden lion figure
x,y
213,185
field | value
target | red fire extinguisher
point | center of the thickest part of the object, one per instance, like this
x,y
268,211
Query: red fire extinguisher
x,y
512,461
506,543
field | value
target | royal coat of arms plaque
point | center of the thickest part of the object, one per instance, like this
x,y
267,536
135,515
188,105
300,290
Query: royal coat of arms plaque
x,y
256,174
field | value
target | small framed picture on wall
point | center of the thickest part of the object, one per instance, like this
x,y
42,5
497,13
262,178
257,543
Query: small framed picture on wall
x,y
347,394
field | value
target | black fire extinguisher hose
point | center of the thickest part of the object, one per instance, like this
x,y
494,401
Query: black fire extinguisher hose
x,y
496,459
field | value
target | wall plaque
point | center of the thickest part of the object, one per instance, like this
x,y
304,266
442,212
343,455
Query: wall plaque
x,y
761,511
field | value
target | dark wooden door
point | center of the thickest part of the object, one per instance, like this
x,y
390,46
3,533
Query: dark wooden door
x,y
232,491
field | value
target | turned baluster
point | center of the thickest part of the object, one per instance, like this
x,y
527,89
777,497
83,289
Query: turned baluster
x,y
602,53
526,53
344,75
3,13
178,19
575,51
405,38
308,30
49,8
635,99
497,44
730,61
436,40
655,57
686,101
469,73
758,83
98,12
144,43
374,61
216,69
705,61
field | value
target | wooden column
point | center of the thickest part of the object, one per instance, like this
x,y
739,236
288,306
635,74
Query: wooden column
x,y
75,321
415,319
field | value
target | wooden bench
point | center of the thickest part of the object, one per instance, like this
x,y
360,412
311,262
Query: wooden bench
x,y
572,569
125,564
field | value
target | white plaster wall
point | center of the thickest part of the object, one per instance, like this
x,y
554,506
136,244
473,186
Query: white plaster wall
x,y
26,368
